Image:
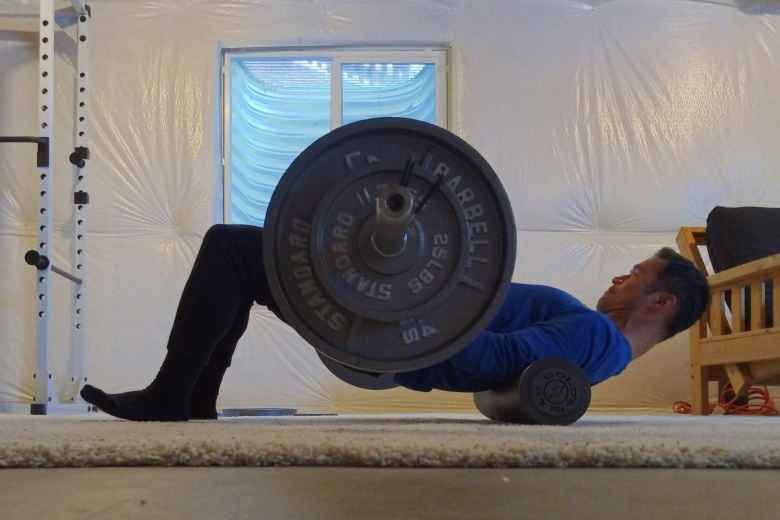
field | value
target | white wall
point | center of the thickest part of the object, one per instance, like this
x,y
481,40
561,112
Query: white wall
x,y
610,126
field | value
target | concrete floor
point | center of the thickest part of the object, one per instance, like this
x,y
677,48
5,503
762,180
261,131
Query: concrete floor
x,y
367,493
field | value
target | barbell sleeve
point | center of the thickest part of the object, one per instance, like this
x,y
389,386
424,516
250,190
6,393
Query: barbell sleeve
x,y
393,216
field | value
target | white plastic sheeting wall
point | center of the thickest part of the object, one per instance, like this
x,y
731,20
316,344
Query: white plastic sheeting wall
x,y
611,124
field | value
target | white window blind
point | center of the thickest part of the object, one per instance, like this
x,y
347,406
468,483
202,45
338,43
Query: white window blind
x,y
279,103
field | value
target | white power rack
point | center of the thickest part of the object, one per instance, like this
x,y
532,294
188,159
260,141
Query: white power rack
x,y
21,18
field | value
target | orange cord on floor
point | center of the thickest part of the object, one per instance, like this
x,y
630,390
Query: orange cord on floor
x,y
758,402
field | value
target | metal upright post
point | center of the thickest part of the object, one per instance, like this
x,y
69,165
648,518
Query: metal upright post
x,y
80,202
45,393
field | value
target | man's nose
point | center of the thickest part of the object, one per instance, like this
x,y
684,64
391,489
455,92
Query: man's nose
x,y
618,280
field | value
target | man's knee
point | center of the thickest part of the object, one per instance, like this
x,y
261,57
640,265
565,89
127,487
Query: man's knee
x,y
216,233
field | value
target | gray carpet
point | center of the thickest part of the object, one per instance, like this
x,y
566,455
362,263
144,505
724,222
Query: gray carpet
x,y
423,440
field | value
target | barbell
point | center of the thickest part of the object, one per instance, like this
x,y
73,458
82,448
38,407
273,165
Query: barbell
x,y
389,245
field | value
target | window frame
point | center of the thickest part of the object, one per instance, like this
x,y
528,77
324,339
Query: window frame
x,y
337,56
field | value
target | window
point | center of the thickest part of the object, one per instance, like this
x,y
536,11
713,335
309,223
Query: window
x,y
278,103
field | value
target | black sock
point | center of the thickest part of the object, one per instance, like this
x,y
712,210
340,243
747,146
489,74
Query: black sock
x,y
167,398
136,405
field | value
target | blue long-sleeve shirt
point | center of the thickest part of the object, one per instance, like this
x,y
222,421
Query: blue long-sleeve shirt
x,y
535,321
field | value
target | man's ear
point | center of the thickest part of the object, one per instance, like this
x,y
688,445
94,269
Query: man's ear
x,y
665,299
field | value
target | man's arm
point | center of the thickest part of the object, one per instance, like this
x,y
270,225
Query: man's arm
x,y
495,359
498,358
586,339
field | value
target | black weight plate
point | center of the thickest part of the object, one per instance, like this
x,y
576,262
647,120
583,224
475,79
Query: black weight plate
x,y
368,381
453,274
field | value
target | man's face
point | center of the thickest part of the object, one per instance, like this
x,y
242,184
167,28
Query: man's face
x,y
627,290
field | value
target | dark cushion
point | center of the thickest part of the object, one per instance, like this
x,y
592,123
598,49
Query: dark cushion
x,y
736,236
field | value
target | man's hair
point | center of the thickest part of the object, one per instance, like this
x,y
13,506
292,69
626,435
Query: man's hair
x,y
683,279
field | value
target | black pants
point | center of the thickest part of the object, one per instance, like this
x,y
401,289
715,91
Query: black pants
x,y
227,278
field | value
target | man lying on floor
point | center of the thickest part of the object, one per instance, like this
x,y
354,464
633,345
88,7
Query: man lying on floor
x,y
661,296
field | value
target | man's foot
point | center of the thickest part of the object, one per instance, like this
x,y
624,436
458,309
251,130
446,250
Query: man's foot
x,y
138,405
